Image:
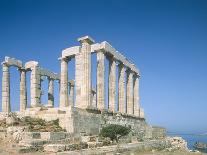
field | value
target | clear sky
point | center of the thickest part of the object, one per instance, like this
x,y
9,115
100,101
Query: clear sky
x,y
167,40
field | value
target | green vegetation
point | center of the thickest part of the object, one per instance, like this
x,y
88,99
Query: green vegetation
x,y
114,132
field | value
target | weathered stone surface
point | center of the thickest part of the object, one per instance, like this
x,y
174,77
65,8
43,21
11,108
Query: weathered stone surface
x,y
112,84
121,89
64,83
23,90
13,62
54,147
100,80
86,72
5,88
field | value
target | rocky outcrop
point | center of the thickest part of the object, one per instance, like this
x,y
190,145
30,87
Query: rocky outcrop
x,y
177,143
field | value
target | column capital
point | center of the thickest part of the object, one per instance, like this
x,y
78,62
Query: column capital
x,y
66,59
22,69
4,63
86,39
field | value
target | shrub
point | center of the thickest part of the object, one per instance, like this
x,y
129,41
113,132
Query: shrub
x,y
114,132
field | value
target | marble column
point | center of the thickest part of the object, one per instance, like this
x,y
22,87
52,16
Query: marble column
x,y
100,80
121,89
86,72
35,86
112,84
136,96
50,92
23,90
71,94
5,88
93,94
78,79
64,83
129,99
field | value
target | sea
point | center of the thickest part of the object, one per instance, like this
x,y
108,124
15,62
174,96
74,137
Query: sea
x,y
192,139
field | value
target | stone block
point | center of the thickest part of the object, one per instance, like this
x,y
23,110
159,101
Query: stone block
x,y
72,51
54,148
53,135
30,64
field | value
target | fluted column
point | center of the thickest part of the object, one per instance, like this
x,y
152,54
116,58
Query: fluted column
x,y
23,90
122,93
78,79
100,80
5,88
71,94
129,87
64,83
50,92
136,96
86,72
93,96
35,86
112,84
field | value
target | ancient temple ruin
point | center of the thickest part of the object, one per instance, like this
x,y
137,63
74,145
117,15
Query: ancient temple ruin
x,y
82,109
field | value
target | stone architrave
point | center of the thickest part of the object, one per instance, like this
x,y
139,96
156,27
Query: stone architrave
x,y
100,80
5,88
112,84
129,87
23,90
136,95
35,86
64,83
86,72
50,92
121,89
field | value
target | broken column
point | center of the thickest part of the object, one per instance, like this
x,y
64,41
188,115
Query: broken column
x,y
50,92
23,90
112,84
121,89
5,88
86,71
64,83
136,95
100,80
129,87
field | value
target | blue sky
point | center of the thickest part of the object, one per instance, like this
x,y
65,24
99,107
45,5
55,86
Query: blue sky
x,y
167,40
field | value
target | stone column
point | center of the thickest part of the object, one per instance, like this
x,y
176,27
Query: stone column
x,y
122,93
5,88
136,96
93,94
112,84
64,83
86,72
50,92
71,94
23,90
35,86
78,79
129,102
100,80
